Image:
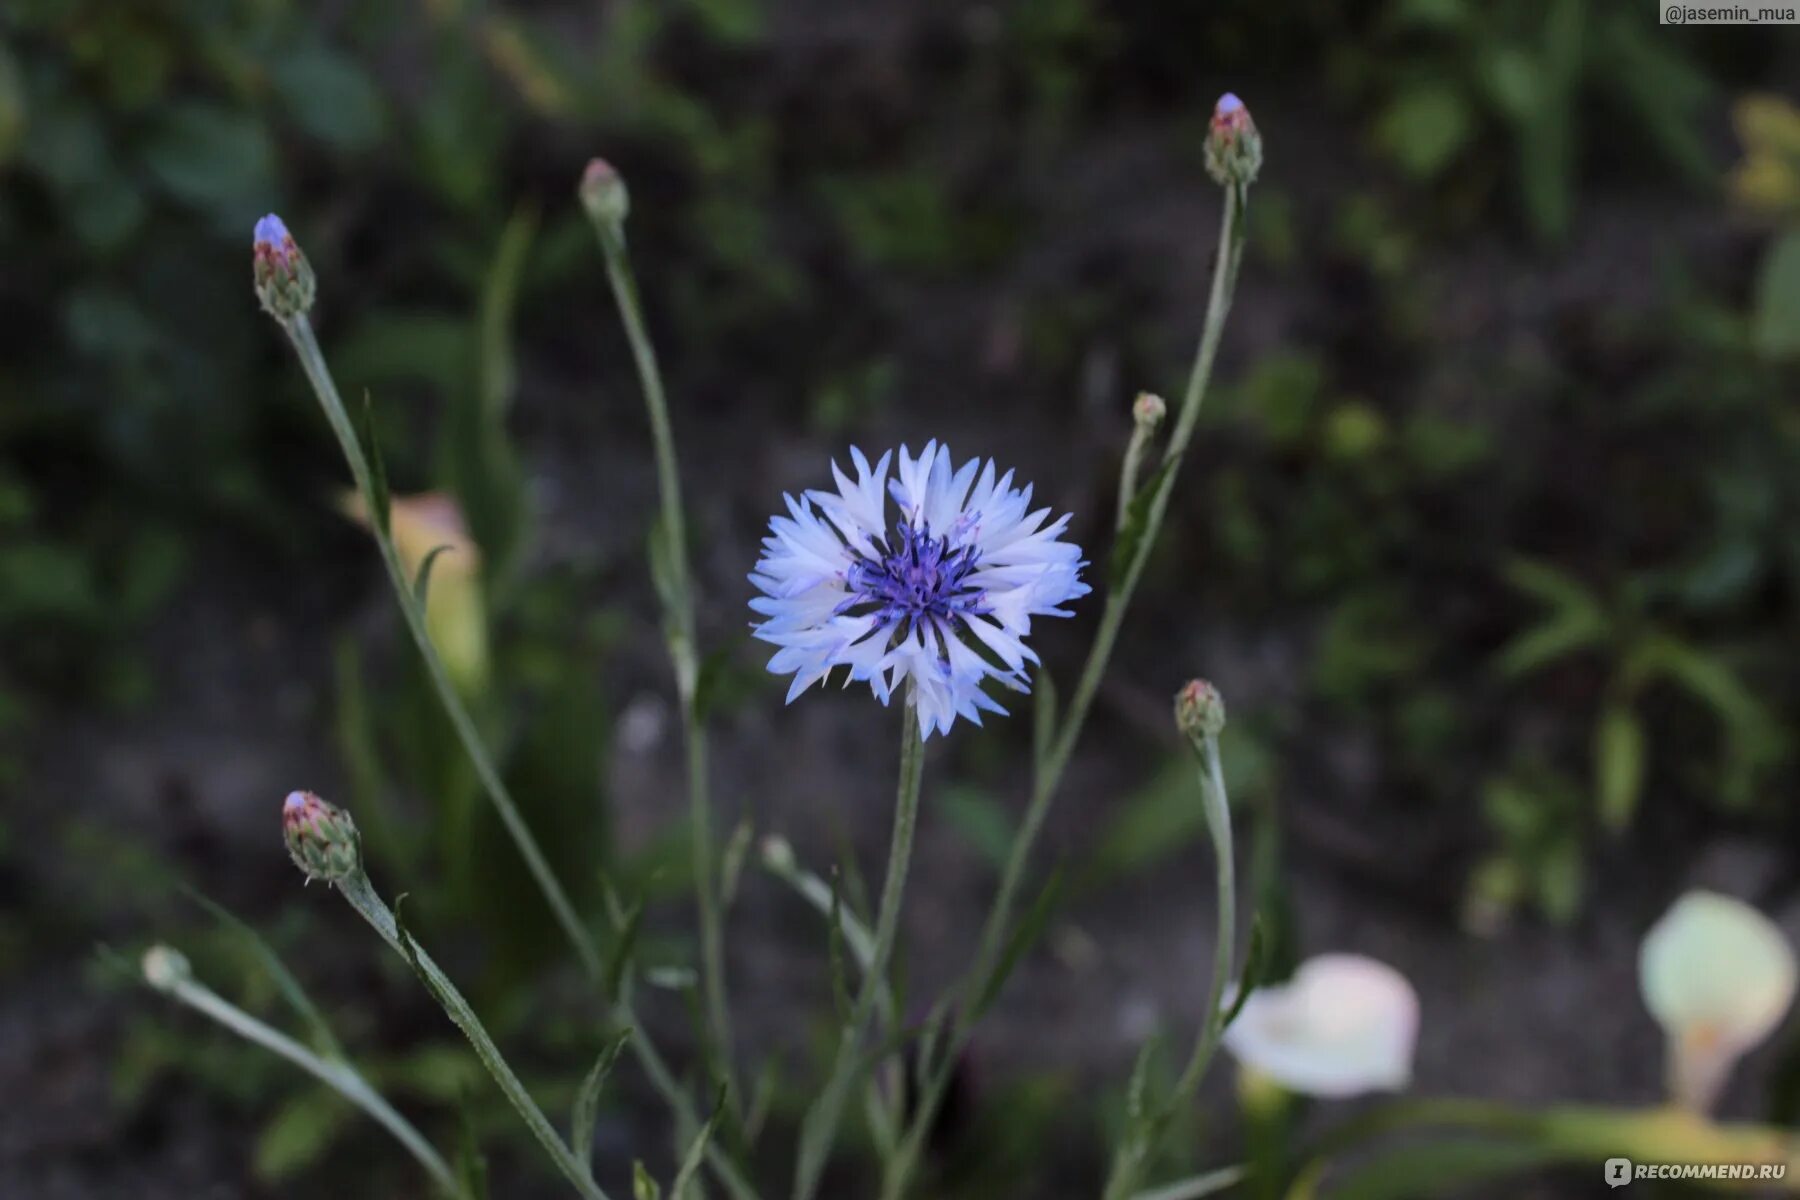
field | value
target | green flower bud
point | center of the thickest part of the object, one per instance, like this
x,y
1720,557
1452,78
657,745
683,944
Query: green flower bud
x,y
604,195
1199,710
321,838
164,967
284,279
1233,147
1148,410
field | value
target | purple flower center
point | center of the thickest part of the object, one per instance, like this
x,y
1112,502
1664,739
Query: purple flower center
x,y
918,577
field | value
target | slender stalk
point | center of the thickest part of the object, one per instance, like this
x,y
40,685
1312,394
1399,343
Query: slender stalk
x,y
312,361
1128,1164
361,894
819,1128
335,1073
1049,773
683,644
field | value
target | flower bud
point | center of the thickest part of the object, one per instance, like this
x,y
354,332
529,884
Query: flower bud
x,y
1233,147
778,854
164,967
1199,710
321,838
1148,410
284,279
604,196
1718,976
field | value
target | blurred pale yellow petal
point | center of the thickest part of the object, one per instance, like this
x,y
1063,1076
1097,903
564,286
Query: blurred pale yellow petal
x,y
1718,976
455,613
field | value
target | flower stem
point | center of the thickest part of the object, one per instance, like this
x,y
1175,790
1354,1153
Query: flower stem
x,y
819,1128
334,1073
1134,1149
1112,617
678,601
312,361
361,894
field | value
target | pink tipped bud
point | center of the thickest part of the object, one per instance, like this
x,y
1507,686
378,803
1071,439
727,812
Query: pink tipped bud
x,y
284,279
1148,410
321,838
1233,146
604,195
1199,710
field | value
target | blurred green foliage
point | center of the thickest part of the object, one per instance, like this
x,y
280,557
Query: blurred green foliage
x,y
1559,598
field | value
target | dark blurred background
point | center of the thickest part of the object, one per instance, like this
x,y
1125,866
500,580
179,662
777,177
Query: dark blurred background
x,y
1491,533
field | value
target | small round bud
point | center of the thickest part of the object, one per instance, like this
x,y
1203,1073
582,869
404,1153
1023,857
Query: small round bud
x,y
321,838
1233,146
284,279
1199,710
778,854
1148,410
604,195
164,967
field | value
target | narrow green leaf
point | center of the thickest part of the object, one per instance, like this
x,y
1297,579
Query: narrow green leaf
x,y
301,1132
1129,544
620,959
1776,324
1024,936
643,1184
690,1164
422,581
324,1041
1197,1187
1043,724
840,973
587,1099
380,502
731,864
1137,1090
471,1163
1256,960
1618,764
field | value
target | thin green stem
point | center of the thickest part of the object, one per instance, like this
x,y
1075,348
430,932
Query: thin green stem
x,y
1141,433
1134,1149
335,1073
683,643
1049,773
819,1128
319,375
362,896
312,361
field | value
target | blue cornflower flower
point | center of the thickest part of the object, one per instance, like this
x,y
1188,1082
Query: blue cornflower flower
x,y
943,597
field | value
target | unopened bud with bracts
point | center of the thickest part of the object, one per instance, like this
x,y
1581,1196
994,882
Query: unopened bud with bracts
x,y
1233,146
321,837
604,195
284,279
1148,410
1199,710
165,967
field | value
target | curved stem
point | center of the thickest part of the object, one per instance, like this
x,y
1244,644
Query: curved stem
x,y
1112,618
678,600
312,360
1133,1150
819,1128
362,896
334,1073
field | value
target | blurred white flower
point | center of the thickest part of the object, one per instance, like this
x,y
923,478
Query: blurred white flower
x,y
1344,1025
1718,976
